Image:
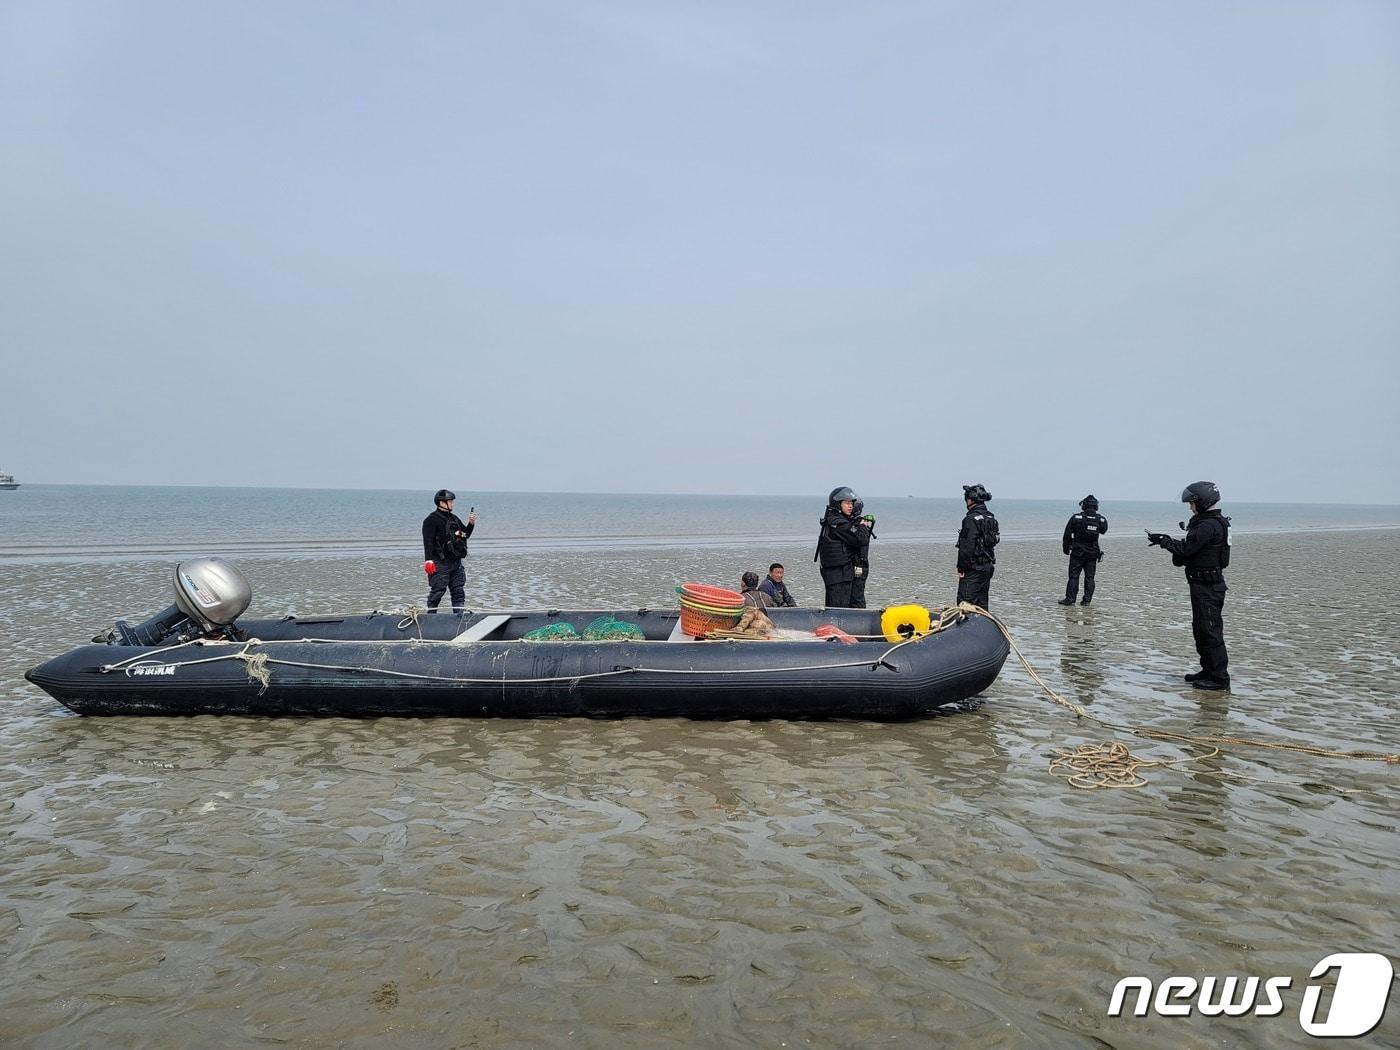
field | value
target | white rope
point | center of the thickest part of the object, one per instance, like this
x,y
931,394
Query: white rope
x,y
147,656
245,656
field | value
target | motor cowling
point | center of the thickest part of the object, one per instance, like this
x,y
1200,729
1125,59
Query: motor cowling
x,y
210,594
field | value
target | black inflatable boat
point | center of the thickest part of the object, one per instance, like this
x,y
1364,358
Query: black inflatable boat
x,y
477,664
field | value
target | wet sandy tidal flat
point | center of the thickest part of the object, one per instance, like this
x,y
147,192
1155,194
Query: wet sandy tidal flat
x,y
666,883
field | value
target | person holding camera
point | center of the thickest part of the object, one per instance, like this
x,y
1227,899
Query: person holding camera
x,y
1204,554
444,547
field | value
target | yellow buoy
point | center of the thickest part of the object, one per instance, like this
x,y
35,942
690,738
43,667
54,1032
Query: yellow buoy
x,y
902,622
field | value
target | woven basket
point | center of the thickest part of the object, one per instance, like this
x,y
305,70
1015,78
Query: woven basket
x,y
696,623
705,608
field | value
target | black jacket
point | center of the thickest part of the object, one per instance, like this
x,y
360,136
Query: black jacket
x,y
1206,546
438,527
1082,533
839,546
977,538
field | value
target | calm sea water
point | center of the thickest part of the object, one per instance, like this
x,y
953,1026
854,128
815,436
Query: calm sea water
x,y
664,883
70,521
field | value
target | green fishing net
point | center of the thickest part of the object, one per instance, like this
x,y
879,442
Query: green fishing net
x,y
606,629
551,632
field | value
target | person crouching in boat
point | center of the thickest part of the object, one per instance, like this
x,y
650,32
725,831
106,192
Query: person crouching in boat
x,y
754,596
754,623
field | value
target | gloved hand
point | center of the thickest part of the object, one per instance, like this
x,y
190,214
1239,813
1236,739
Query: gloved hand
x,y
1156,538
429,567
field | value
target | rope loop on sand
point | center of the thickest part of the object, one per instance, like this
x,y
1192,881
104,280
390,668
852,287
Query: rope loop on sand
x,y
1112,764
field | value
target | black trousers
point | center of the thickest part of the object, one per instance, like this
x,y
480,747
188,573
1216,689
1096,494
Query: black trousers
x,y
1208,627
450,574
838,595
858,588
1089,565
976,586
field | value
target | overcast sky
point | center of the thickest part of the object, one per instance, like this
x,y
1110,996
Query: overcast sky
x,y
674,247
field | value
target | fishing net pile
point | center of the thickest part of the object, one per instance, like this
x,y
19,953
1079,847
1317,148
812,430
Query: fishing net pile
x,y
608,629
602,629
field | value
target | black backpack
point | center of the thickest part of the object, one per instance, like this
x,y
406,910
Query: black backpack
x,y
454,547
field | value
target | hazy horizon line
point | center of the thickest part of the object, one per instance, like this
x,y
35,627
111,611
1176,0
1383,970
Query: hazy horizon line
x,y
708,495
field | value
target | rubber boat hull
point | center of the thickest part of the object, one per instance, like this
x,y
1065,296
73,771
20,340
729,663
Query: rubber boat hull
x,y
392,665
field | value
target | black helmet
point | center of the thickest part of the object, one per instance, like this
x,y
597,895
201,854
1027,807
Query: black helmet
x,y
1089,501
1202,493
977,493
843,493
750,579
444,494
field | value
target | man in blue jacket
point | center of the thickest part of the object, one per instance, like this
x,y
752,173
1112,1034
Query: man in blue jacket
x,y
778,595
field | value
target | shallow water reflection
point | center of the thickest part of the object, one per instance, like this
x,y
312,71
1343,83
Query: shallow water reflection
x,y
668,883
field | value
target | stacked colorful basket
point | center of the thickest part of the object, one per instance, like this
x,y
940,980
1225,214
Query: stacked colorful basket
x,y
705,608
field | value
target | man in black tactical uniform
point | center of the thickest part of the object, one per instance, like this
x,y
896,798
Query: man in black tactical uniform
x,y
1205,552
1081,543
838,546
977,542
862,568
444,547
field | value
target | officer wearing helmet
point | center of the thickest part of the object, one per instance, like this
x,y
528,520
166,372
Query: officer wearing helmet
x,y
1204,554
444,547
839,546
1081,543
977,542
862,569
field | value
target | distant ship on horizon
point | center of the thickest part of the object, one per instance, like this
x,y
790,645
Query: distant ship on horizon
x,y
7,481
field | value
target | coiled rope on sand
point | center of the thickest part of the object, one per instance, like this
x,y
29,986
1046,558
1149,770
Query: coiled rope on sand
x,y
1112,764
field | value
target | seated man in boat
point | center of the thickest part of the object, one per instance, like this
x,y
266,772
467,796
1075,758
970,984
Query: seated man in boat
x,y
773,586
754,595
754,624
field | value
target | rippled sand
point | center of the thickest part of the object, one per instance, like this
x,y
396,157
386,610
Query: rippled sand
x,y
661,883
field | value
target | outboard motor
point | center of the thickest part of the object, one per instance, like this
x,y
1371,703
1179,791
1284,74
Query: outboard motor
x,y
209,595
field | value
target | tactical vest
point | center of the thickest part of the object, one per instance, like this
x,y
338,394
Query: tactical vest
x,y
986,534
1207,562
1084,530
449,546
831,552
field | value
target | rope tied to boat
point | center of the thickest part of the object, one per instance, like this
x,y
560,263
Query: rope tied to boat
x,y
255,664
1112,764
411,617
